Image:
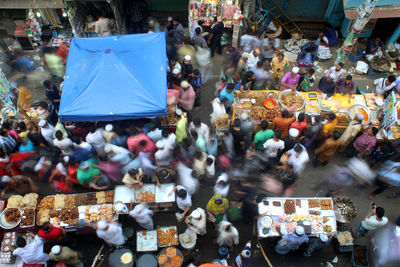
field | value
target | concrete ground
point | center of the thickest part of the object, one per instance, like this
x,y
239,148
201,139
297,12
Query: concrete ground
x,y
308,187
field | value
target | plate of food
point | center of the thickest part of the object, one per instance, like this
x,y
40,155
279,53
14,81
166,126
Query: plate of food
x,y
267,221
10,218
167,236
270,104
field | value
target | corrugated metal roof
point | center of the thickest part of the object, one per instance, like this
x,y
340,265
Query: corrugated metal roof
x,y
357,3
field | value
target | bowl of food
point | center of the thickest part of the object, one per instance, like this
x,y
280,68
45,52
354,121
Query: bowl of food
x,y
288,98
360,109
270,104
10,218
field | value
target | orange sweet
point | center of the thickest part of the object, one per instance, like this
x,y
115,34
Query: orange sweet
x,y
162,259
171,252
176,261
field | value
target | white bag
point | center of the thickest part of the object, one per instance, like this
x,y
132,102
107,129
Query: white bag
x,y
362,67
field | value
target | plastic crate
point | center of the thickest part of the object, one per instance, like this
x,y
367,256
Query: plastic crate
x,y
353,264
354,58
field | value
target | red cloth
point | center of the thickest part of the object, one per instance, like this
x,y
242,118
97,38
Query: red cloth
x,y
53,234
133,144
62,186
72,170
33,265
299,125
15,163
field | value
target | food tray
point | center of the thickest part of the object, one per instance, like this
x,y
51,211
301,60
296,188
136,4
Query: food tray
x,y
262,208
164,251
34,218
4,224
304,207
124,194
164,228
145,188
276,211
287,91
327,213
146,242
165,193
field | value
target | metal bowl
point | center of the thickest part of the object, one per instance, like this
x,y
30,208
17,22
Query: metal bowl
x,y
353,110
287,91
267,221
7,225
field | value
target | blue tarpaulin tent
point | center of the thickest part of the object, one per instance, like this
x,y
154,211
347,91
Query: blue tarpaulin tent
x,y
115,78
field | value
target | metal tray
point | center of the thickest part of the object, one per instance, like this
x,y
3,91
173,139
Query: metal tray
x,y
176,236
165,193
34,217
146,242
4,224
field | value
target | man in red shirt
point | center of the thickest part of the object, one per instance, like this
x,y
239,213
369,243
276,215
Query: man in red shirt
x,y
51,232
300,124
134,143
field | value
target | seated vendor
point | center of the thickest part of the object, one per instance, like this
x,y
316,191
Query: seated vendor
x,y
330,34
309,48
290,80
345,86
163,176
247,81
375,48
327,86
133,179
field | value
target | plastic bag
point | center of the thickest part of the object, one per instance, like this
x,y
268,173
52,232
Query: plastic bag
x,y
362,67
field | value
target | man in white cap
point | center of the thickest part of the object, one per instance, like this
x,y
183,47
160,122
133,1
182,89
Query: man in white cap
x,y
65,255
243,259
197,221
47,131
143,216
291,241
108,134
241,67
352,130
290,80
292,139
111,233
176,78
321,242
247,126
186,96
327,86
187,68
228,235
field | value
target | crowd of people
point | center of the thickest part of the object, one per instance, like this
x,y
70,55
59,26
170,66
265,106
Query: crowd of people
x,y
243,162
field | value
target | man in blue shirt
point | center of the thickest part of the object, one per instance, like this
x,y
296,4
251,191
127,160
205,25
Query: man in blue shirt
x,y
196,84
226,96
374,45
52,93
291,241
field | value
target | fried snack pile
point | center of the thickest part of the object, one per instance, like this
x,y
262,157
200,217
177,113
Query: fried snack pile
x,y
167,237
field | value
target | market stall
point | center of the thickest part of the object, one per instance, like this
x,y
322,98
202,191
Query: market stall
x,y
206,10
267,104
316,215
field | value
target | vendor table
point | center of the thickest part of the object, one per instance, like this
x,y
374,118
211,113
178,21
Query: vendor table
x,y
317,214
252,102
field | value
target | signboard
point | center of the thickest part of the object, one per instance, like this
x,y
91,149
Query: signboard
x,y
9,95
389,111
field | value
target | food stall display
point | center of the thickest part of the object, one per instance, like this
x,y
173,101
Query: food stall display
x,y
167,236
10,218
145,194
170,256
27,201
316,215
208,9
146,240
287,98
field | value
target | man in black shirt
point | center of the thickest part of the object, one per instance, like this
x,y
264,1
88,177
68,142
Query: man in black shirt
x,y
215,37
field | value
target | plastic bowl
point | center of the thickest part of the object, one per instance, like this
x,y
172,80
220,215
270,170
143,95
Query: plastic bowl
x,y
270,100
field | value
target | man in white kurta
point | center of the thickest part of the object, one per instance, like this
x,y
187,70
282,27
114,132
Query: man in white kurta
x,y
143,216
196,221
110,233
32,253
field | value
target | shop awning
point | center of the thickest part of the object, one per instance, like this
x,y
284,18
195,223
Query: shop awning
x,y
383,9
115,78
26,4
